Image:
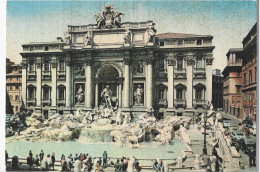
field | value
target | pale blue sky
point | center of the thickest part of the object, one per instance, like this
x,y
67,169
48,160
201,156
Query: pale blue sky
x,y
227,21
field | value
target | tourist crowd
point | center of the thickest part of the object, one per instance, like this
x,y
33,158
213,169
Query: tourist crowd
x,y
82,162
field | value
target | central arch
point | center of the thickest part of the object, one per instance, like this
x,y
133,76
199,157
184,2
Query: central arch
x,y
108,71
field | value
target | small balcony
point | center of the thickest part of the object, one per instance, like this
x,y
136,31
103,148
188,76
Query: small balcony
x,y
61,101
31,101
46,101
180,72
162,103
199,103
46,75
61,75
31,75
199,72
238,62
180,103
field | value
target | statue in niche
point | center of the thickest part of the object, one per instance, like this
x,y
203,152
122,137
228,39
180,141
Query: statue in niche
x,y
127,36
138,67
88,38
106,94
150,34
80,71
138,95
80,95
67,38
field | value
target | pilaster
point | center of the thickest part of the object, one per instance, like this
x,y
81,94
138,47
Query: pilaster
x,y
53,107
24,83
126,98
209,61
38,85
189,73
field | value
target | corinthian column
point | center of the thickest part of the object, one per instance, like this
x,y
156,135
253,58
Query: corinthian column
x,y
189,73
24,75
88,92
126,83
170,97
68,84
149,82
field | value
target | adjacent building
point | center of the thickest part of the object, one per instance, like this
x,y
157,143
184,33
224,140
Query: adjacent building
x,y
123,65
14,87
217,89
249,73
232,83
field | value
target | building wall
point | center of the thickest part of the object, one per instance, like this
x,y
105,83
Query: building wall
x,y
249,89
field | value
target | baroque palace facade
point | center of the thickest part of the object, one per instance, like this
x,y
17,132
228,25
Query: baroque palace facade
x,y
121,65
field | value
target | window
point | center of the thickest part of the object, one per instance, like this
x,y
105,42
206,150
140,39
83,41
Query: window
x,y
179,42
179,94
46,66
31,93
10,78
161,64
198,95
250,77
244,96
62,66
16,97
161,43
238,74
199,41
46,92
17,78
238,89
199,62
46,48
31,66
17,87
245,79
16,108
11,88
250,97
180,63
61,93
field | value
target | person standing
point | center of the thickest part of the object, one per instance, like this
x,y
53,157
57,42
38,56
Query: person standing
x,y
161,166
105,159
122,166
6,156
63,164
155,165
30,154
41,155
68,162
49,161
36,160
213,160
53,160
77,165
117,166
252,155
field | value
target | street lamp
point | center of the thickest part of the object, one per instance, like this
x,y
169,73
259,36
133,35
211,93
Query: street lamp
x,y
206,106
